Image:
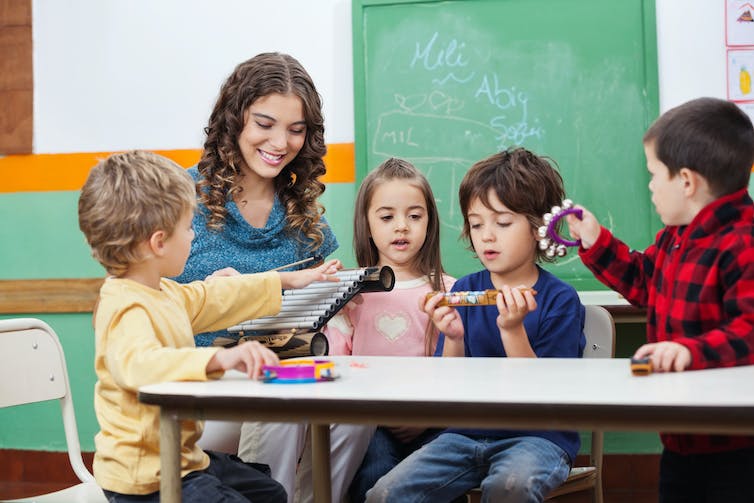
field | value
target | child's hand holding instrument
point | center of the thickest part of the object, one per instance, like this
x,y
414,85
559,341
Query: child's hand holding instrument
x,y
472,298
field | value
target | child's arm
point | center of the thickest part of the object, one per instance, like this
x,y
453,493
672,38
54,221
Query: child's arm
x,y
304,277
223,273
448,321
611,261
339,332
247,357
514,304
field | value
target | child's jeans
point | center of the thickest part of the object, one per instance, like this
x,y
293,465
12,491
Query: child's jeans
x,y
226,479
384,453
707,478
522,469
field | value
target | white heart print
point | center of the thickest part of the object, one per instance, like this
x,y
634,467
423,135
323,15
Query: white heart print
x,y
391,327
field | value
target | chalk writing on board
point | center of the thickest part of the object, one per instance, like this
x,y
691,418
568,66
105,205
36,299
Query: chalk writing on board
x,y
457,112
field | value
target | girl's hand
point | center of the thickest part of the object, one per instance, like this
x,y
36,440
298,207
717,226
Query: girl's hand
x,y
514,304
587,229
222,273
666,356
304,277
247,357
446,318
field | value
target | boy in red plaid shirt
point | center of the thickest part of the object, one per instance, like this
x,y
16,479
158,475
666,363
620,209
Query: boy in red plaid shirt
x,y
696,280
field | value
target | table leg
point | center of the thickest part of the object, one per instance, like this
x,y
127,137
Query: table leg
x,y
170,462
321,463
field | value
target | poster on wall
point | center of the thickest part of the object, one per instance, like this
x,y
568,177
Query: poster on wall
x,y
739,22
740,70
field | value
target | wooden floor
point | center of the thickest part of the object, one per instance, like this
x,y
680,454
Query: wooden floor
x,y
627,478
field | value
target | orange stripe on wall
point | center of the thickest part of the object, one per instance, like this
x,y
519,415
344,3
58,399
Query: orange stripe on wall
x,y
47,172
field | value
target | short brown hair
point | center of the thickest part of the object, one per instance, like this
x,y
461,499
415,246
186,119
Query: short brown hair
x,y
524,182
128,197
711,136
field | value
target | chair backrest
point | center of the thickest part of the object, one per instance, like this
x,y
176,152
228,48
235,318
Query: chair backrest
x,y
33,369
599,330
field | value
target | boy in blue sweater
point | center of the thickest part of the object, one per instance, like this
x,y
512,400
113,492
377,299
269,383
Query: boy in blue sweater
x,y
503,199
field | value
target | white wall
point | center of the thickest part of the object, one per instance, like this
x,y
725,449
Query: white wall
x,y
690,50
116,74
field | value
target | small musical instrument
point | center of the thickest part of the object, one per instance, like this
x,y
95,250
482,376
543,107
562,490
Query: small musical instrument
x,y
471,298
299,371
552,242
641,366
295,330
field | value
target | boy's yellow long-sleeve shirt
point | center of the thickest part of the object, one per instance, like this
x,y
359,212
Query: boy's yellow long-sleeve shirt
x,y
146,336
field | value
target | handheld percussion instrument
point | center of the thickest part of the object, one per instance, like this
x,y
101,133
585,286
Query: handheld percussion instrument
x,y
551,241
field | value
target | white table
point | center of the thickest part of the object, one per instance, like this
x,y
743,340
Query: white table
x,y
472,392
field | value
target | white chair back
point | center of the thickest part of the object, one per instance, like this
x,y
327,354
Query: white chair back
x,y
33,369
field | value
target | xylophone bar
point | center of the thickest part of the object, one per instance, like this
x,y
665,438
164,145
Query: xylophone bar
x,y
304,310
307,310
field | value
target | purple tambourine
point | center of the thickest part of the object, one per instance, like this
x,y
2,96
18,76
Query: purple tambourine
x,y
551,241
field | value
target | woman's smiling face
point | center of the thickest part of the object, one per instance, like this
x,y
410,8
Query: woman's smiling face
x,y
274,133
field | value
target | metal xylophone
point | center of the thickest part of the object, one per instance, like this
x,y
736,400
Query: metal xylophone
x,y
295,330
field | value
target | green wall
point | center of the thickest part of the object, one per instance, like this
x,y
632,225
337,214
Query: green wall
x,y
39,238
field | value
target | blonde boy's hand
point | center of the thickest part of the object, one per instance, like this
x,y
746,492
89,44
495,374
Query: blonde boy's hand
x,y
514,304
666,356
304,277
247,357
446,318
587,229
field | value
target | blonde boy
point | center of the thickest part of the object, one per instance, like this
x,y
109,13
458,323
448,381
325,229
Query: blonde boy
x,y
136,210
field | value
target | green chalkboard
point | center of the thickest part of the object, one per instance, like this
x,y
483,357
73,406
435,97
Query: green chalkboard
x,y
446,83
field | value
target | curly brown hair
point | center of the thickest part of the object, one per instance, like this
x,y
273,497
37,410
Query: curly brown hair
x,y
297,186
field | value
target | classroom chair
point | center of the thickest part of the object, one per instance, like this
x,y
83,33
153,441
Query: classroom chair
x,y
220,436
599,330
33,369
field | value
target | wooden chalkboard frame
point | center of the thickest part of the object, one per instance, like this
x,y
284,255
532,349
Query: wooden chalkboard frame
x,y
361,37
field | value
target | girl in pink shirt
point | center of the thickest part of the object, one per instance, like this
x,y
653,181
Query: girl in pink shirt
x,y
395,224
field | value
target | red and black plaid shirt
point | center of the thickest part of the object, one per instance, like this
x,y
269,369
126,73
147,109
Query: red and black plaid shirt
x,y
697,283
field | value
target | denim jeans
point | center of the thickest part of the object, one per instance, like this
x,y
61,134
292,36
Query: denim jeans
x,y
384,453
707,478
226,479
521,469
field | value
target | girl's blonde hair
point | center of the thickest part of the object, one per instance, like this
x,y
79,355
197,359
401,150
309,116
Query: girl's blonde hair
x,y
427,261
297,185
127,198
